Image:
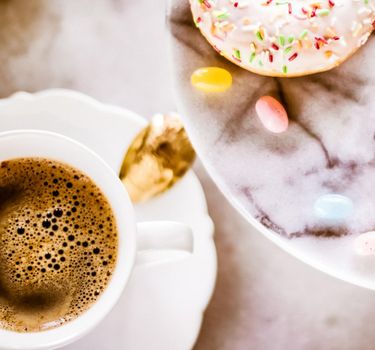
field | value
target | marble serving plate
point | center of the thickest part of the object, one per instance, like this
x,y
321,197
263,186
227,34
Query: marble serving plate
x,y
274,180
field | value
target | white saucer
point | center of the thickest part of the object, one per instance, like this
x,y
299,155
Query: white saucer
x,y
161,307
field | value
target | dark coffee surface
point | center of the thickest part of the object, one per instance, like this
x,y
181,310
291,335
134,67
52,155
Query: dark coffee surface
x,y
58,244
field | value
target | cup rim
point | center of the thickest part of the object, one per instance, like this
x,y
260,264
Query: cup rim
x,y
109,183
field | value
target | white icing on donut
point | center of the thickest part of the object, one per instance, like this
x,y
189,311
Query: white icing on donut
x,y
285,37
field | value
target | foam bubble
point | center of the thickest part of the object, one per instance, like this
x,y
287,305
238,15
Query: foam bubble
x,y
57,232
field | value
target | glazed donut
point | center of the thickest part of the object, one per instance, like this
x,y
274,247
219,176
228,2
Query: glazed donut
x,y
285,37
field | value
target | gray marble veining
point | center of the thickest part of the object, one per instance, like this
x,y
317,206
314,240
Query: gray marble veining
x,y
277,178
328,148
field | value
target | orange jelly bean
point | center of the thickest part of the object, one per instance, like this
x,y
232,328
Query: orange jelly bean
x,y
211,79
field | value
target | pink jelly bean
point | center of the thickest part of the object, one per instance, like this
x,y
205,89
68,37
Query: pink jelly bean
x,y
272,114
364,244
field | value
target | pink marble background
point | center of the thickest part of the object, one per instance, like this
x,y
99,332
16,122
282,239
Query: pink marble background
x,y
115,50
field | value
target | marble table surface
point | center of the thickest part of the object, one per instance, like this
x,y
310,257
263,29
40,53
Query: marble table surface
x,y
116,51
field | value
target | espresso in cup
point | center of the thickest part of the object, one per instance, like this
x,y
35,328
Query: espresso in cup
x,y
58,244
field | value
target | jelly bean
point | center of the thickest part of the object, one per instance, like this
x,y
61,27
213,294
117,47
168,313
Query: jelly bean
x,y
333,207
272,114
211,79
364,244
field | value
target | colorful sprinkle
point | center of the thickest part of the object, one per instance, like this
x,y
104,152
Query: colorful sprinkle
x,y
298,34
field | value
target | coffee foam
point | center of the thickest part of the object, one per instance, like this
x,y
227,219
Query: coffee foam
x,y
58,244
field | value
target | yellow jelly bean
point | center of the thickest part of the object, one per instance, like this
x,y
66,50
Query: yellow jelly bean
x,y
211,79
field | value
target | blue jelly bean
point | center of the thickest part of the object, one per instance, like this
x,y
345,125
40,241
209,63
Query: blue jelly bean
x,y
333,207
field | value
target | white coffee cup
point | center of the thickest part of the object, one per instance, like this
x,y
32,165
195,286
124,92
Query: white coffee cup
x,y
161,240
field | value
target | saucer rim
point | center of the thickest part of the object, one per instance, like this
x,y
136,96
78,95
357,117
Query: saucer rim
x,y
133,117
